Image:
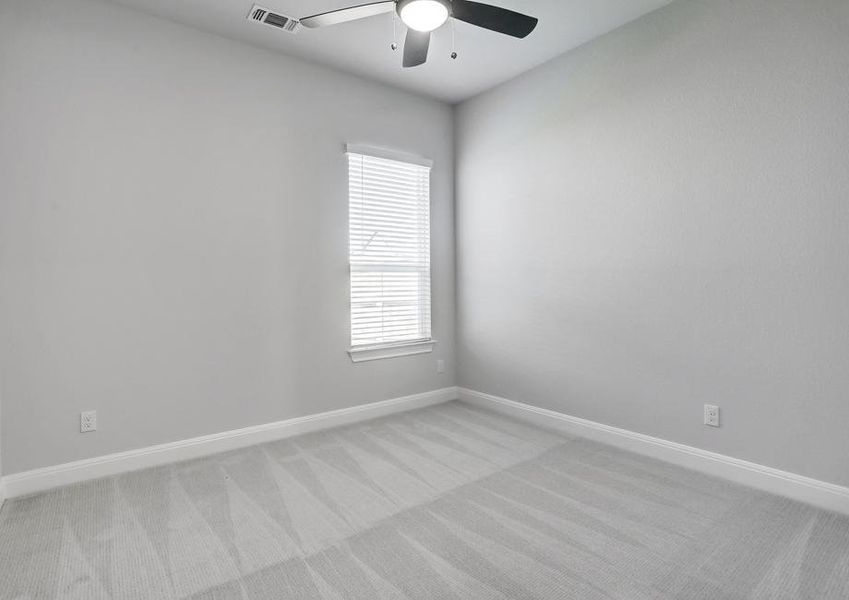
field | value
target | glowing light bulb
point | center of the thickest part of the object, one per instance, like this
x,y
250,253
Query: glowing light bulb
x,y
423,15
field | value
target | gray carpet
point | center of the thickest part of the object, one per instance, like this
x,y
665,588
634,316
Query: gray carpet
x,y
449,502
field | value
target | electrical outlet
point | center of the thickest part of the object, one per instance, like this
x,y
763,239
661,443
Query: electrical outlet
x,y
440,366
711,415
88,421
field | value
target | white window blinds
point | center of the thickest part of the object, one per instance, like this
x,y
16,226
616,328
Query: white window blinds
x,y
389,250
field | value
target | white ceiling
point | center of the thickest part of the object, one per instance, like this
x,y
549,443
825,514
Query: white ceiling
x,y
362,47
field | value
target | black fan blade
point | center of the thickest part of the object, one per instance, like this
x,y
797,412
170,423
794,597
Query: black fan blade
x,y
352,13
415,47
494,18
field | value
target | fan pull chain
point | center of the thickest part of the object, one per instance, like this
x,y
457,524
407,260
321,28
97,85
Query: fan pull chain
x,y
394,44
453,41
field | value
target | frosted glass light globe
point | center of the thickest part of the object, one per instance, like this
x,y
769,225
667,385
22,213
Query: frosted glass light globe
x,y
424,15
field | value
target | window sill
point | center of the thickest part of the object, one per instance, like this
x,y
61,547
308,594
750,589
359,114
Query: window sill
x,y
366,353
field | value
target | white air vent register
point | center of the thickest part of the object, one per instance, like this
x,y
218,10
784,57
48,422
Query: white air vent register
x,y
263,15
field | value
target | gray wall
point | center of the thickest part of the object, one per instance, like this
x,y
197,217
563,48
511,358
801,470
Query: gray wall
x,y
660,219
173,221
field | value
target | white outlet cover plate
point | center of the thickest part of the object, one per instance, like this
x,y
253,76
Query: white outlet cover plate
x,y
88,421
711,415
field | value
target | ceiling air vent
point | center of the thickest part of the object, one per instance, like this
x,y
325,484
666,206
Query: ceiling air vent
x,y
263,15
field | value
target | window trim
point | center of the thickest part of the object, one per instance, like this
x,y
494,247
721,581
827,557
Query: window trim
x,y
370,352
388,154
360,354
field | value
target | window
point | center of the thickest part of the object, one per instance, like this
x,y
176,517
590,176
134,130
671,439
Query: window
x,y
389,221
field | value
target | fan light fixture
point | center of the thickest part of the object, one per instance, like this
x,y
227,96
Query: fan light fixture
x,y
423,15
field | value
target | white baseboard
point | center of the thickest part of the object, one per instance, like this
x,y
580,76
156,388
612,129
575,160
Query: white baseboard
x,y
38,480
804,489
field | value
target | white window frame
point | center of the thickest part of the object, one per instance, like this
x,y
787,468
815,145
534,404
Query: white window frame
x,y
369,352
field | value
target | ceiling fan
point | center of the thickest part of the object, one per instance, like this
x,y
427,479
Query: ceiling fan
x,y
424,16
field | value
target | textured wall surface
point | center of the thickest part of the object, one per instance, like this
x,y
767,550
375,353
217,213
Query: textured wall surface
x,y
173,221
659,220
